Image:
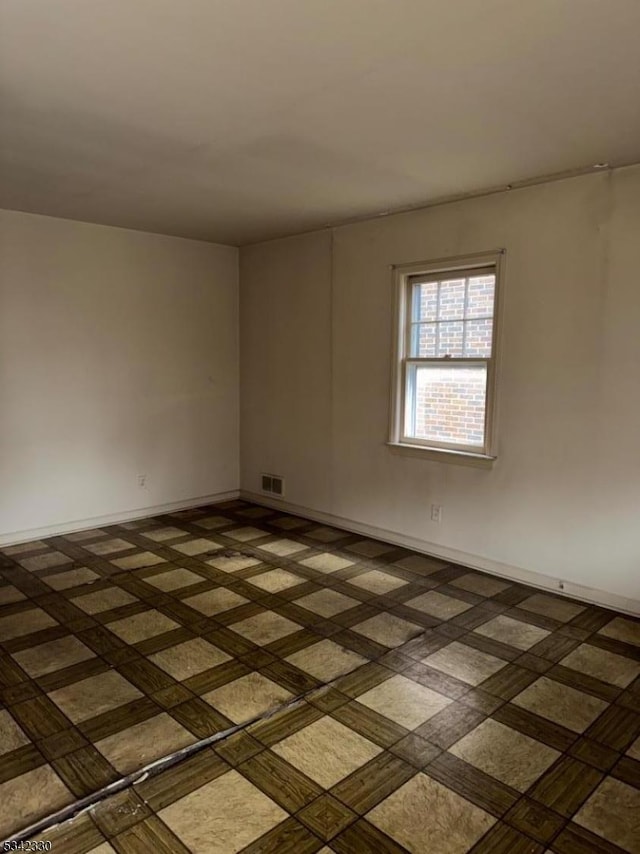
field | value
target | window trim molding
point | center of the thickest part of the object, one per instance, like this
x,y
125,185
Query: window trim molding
x,y
401,274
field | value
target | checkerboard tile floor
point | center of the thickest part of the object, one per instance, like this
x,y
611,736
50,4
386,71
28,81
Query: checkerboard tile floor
x,y
465,713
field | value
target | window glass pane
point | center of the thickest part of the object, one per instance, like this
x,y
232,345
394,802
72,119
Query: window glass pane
x,y
423,339
477,338
446,403
450,335
480,296
425,301
451,303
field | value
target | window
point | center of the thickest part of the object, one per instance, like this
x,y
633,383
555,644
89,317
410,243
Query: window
x,y
444,378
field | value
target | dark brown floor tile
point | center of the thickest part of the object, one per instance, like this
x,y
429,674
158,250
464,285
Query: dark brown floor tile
x,y
566,785
84,771
288,837
370,724
484,791
370,784
146,676
509,681
274,729
593,753
502,839
284,784
20,761
200,718
118,719
61,743
40,718
449,725
617,727
167,698
19,693
415,750
78,837
534,819
120,812
628,770
326,816
238,748
364,838
148,835
535,726
163,789
577,840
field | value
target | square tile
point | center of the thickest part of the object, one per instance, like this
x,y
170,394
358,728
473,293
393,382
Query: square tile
x,y
211,523
29,797
327,603
613,812
10,594
325,534
138,561
283,548
404,701
11,736
601,664
247,697
621,629
48,560
511,632
246,535
103,600
290,523
426,817
215,601
52,656
566,706
189,658
326,817
275,580
438,605
25,623
196,547
465,663
326,751
506,754
142,626
82,536
71,578
232,564
326,562
377,581
421,564
95,695
548,606
174,579
143,743
481,585
370,548
222,817
159,535
387,629
326,660
265,628
23,548
108,547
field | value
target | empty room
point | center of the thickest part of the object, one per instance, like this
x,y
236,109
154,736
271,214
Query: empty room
x,y
319,426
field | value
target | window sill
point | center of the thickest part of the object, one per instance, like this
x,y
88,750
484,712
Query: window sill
x,y
442,455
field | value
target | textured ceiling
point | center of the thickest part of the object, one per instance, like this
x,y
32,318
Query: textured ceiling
x,y
239,120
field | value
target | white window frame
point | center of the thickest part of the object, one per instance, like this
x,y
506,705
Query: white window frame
x,y
404,277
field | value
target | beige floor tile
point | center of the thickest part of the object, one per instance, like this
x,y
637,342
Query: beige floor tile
x,y
627,631
222,817
189,658
502,752
52,656
138,561
246,535
481,585
558,609
601,664
404,701
326,660
377,581
634,750
289,523
103,600
326,751
83,536
325,535
48,560
370,548
95,695
109,547
137,746
421,564
438,605
25,623
159,535
326,562
215,601
427,817
210,523
232,564
275,580
283,548
388,629
265,628
23,548
247,697
148,624
174,579
71,578
613,812
11,736
560,703
196,547
31,796
10,594
105,848
512,632
327,602
465,663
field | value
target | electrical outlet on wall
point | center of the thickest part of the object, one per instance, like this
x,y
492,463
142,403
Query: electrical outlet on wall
x,y
436,513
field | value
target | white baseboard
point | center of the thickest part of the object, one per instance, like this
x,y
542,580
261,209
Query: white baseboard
x,y
503,570
14,537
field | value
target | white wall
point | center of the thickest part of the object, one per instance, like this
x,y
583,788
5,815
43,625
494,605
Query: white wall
x,y
563,499
118,357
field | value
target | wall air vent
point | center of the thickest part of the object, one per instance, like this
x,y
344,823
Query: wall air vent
x,y
273,484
